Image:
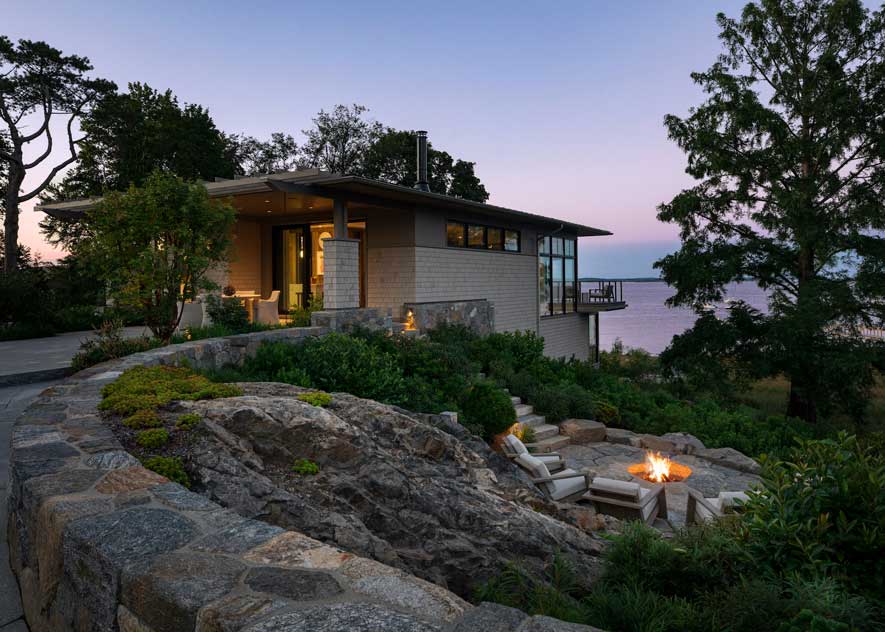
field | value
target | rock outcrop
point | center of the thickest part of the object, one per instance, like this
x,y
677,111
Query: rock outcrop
x,y
390,486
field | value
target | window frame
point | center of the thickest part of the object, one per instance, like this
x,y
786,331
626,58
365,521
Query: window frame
x,y
566,305
466,226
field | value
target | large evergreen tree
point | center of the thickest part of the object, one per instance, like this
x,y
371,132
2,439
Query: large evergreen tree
x,y
789,152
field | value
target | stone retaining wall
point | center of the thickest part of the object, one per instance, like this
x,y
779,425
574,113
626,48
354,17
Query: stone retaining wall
x,y
100,543
477,315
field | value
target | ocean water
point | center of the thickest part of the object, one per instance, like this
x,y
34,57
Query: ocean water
x,y
649,324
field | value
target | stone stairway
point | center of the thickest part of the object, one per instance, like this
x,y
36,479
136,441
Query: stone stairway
x,y
547,437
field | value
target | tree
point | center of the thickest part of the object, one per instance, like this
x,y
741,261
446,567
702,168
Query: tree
x,y
253,157
391,158
339,140
37,80
789,152
131,135
154,245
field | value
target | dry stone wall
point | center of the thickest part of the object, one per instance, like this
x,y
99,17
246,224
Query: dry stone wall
x,y
99,543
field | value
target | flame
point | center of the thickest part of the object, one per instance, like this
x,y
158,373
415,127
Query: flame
x,y
657,467
410,321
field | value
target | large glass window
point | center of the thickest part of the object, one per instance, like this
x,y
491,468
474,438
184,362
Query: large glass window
x,y
511,240
456,234
557,275
476,236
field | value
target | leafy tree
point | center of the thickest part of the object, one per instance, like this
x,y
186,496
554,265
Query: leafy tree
x,y
154,245
254,157
128,137
789,152
38,82
339,139
391,158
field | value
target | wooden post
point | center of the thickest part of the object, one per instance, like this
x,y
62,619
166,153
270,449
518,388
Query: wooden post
x,y
339,218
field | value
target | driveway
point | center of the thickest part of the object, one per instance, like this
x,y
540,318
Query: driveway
x,y
13,400
39,359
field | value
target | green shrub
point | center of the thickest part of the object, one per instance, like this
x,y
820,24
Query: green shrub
x,y
305,467
227,312
528,434
511,349
488,407
170,467
153,438
145,418
822,513
563,401
316,398
187,421
300,317
634,364
108,344
77,318
606,413
335,362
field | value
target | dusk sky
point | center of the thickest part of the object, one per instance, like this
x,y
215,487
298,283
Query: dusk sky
x,y
561,105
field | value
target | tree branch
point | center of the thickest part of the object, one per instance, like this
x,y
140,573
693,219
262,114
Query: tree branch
x,y
46,153
72,144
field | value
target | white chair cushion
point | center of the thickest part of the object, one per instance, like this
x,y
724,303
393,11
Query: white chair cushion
x,y
729,500
567,486
536,469
515,444
621,488
548,460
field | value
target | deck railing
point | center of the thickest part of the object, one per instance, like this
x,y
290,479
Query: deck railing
x,y
601,292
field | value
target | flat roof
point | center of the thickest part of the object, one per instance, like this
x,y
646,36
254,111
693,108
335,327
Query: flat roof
x,y
325,184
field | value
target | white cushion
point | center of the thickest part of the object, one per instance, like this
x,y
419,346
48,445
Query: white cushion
x,y
621,488
533,465
549,461
650,507
515,444
567,486
729,500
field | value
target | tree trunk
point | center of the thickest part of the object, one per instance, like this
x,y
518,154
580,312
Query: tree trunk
x,y
800,405
10,222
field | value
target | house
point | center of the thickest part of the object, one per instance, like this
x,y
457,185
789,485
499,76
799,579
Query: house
x,y
361,243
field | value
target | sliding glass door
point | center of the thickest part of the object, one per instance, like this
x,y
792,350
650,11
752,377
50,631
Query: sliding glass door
x,y
291,266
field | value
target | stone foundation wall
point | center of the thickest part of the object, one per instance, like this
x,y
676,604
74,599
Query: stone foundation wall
x,y
344,320
99,543
477,315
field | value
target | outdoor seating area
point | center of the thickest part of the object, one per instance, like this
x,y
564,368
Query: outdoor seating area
x,y
701,509
194,312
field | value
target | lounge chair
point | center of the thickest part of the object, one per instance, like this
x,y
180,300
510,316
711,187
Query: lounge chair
x,y
513,447
628,500
700,509
564,486
268,311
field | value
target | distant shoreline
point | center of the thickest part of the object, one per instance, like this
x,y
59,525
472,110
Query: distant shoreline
x,y
626,279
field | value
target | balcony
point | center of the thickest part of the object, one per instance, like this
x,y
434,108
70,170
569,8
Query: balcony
x,y
601,296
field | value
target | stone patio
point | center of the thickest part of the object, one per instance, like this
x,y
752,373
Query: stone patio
x,y
611,460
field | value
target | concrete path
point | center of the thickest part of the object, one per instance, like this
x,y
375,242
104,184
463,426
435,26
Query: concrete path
x,y
13,400
37,359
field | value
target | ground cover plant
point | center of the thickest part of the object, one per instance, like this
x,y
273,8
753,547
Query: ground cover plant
x,y
804,554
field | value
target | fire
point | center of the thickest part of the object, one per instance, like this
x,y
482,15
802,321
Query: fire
x,y
660,469
657,467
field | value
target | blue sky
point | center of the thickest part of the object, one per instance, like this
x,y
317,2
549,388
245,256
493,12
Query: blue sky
x,y
560,104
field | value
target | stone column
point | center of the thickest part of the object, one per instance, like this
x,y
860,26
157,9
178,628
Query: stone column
x,y
341,283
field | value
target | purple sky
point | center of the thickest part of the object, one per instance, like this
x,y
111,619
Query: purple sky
x,y
560,104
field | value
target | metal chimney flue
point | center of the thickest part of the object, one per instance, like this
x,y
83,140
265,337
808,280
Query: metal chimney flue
x,y
422,184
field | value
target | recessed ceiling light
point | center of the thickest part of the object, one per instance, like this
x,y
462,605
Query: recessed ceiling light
x,y
267,201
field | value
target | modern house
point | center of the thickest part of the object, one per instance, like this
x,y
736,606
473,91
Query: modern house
x,y
362,243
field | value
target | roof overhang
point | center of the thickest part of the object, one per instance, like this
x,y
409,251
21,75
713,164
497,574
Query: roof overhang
x,y
351,188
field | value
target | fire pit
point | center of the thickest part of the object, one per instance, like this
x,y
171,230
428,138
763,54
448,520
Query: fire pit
x,y
659,469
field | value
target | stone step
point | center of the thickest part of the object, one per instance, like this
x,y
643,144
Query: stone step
x,y
522,410
550,444
532,420
545,431
516,401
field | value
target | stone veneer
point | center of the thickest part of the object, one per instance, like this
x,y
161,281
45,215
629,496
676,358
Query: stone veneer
x,y
477,315
341,281
100,543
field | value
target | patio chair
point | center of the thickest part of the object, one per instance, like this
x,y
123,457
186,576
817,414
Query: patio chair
x,y
513,447
700,509
565,486
628,500
268,311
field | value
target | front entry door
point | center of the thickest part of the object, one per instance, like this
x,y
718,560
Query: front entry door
x,y
291,266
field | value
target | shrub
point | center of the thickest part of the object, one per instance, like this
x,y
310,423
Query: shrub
x,y
305,467
606,413
144,418
300,317
317,398
187,421
227,312
528,434
170,467
634,364
488,407
108,344
820,513
335,362
77,318
153,438
512,349
563,401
